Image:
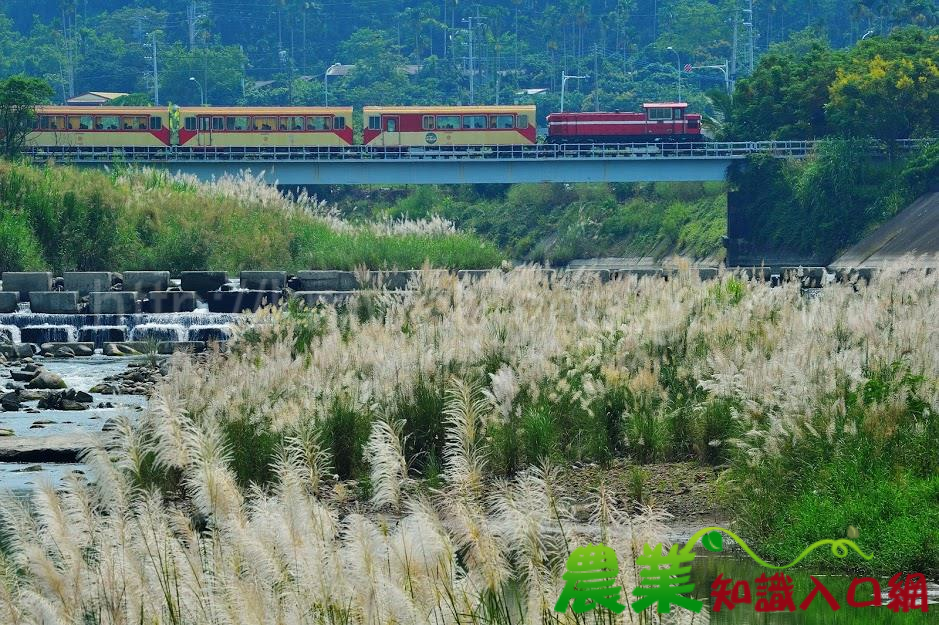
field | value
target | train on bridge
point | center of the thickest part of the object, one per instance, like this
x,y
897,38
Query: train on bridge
x,y
403,128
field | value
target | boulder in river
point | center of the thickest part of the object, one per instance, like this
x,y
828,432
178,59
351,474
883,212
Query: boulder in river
x,y
23,376
10,402
66,400
47,379
4,432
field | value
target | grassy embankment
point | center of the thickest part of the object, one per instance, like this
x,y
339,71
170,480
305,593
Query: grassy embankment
x,y
818,207
64,219
557,222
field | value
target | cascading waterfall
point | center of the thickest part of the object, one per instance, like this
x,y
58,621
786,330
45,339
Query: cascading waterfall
x,y
28,327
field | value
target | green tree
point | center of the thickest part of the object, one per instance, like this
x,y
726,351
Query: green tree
x,y
19,96
889,89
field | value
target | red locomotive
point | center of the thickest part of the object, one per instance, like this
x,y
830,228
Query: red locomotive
x,y
658,122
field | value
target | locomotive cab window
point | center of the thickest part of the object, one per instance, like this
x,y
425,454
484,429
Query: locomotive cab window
x,y
678,113
190,123
474,122
340,123
427,122
502,122
448,122
658,115
156,123
374,122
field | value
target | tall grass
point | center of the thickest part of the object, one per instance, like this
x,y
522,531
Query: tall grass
x,y
812,404
68,219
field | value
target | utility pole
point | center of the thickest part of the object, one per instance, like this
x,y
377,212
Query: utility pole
x,y
564,78
156,76
472,56
749,25
733,49
596,77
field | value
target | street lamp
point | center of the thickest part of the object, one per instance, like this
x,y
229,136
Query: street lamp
x,y
678,67
564,78
201,92
326,80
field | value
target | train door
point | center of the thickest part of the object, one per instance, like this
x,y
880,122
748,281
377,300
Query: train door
x,y
391,125
204,131
659,121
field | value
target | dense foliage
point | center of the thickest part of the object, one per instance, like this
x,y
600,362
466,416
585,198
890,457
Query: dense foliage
x,y
556,223
19,96
417,52
66,219
814,208
884,87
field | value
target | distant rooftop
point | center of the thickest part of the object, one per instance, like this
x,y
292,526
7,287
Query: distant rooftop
x,y
95,98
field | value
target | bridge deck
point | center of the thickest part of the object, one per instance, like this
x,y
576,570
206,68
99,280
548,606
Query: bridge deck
x,y
630,162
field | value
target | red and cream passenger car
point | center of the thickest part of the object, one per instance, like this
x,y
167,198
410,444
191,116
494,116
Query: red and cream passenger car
x,y
425,126
191,127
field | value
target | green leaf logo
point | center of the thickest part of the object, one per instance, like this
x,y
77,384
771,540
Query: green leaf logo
x,y
713,541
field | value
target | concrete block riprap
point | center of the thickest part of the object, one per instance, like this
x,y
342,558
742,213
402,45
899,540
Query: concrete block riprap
x,y
472,275
312,298
25,282
202,281
208,334
86,282
146,281
327,280
395,280
263,280
54,302
57,350
9,301
47,334
169,347
170,301
112,303
99,335
239,301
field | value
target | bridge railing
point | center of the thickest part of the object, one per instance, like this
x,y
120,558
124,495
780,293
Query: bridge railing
x,y
363,153
701,150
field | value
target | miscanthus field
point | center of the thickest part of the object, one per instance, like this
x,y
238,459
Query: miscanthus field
x,y
400,459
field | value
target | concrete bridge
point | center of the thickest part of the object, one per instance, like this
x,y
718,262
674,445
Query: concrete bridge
x,y
505,164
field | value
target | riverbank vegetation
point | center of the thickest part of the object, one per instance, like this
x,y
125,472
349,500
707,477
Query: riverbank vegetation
x,y
65,219
813,209
403,444
556,223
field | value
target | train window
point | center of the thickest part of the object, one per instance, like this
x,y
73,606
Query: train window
x,y
318,122
156,123
204,123
660,114
502,121
340,123
237,123
678,113
474,122
374,122
265,123
218,123
523,121
44,122
296,123
107,122
427,122
80,122
190,123
448,122
283,123
132,122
